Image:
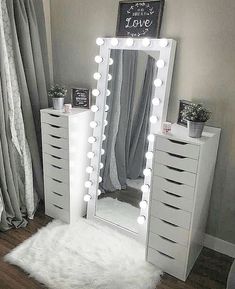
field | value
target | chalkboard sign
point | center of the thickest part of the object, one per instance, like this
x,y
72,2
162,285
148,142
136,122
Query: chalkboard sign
x,y
139,18
182,106
81,97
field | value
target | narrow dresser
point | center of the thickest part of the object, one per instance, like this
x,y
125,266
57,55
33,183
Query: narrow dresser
x,y
181,186
64,146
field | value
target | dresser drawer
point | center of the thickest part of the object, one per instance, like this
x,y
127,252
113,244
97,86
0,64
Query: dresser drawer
x,y
55,141
55,130
176,188
54,119
177,175
55,185
52,197
171,214
55,151
56,172
57,212
176,161
173,200
167,246
168,230
57,161
166,263
177,147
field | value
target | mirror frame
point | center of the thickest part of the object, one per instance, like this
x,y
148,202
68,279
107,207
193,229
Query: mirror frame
x,y
161,90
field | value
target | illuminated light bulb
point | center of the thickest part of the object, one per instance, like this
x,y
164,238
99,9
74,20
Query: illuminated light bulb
x,y
143,204
97,75
98,192
101,166
147,172
105,122
146,42
94,108
114,41
108,92
93,124
158,82
99,41
88,184
160,63
110,61
151,137
89,169
106,108
129,42
98,59
163,42
149,155
87,198
104,137
102,152
156,101
145,188
153,119
141,220
109,77
90,155
95,92
91,139
100,179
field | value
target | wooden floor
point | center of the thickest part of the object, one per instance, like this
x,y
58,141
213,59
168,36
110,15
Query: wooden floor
x,y
209,272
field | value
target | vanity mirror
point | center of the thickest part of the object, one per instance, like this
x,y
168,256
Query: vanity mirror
x,y
133,85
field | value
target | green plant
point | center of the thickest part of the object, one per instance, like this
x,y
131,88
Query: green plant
x,y
57,91
196,112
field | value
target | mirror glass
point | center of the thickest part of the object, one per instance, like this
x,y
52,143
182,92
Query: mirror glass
x,y
130,82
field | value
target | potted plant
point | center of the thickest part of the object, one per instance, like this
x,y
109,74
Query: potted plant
x,y
57,93
196,116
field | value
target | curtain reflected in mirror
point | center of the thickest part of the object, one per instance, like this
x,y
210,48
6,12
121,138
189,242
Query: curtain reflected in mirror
x,y
126,133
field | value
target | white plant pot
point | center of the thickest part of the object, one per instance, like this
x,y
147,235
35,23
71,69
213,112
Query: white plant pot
x,y
58,103
195,129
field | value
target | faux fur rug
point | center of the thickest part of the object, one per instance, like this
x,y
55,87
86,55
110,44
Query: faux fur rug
x,y
84,255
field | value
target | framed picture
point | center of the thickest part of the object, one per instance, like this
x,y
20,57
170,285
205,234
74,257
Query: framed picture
x,y
80,97
139,18
183,104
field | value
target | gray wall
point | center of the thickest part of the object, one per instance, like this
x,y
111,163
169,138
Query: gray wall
x,y
204,71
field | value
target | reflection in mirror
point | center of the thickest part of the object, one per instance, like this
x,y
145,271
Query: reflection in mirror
x,y
128,114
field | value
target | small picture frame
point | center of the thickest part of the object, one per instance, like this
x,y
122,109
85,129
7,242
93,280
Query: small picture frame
x,y
81,97
182,105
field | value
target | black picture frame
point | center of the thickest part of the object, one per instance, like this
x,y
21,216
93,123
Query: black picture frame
x,y
81,97
182,104
145,15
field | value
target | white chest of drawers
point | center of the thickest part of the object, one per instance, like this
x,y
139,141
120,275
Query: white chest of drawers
x,y
64,146
181,186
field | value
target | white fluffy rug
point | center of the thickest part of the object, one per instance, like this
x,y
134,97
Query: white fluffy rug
x,y
120,213
84,255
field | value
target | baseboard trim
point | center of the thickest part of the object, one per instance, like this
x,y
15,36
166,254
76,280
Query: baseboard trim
x,y
219,245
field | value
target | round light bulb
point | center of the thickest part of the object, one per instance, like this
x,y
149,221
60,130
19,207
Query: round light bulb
x,y
97,75
87,198
114,41
105,122
88,184
101,166
99,41
149,155
108,92
93,124
98,192
95,92
102,152
94,108
160,63
153,119
151,137
156,101
158,82
104,137
109,77
89,169
143,204
146,42
147,172
100,179
141,220
163,42
129,42
91,139
90,155
98,59
106,108
110,61
145,188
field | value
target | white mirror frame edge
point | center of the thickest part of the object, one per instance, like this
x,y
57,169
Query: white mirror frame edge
x,y
161,90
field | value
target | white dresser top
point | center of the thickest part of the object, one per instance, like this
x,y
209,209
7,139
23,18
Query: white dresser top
x,y
74,111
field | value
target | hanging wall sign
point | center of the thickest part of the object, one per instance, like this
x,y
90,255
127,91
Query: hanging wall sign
x,y
81,97
139,18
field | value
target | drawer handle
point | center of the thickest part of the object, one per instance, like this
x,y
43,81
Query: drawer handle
x,y
56,167
57,194
55,157
58,181
176,156
174,195
175,169
164,238
58,207
169,223
177,142
55,147
54,136
170,206
55,126
174,182
165,255
54,115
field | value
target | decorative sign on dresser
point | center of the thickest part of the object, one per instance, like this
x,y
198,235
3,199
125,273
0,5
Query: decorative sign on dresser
x,y
181,187
81,97
139,18
64,146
